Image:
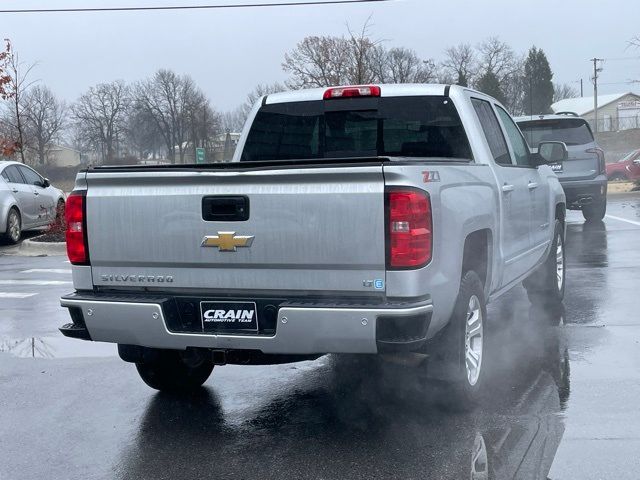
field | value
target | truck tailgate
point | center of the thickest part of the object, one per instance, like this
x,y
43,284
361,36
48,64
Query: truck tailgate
x,y
315,230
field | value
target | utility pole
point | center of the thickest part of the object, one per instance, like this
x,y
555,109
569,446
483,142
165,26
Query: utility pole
x,y
596,70
581,90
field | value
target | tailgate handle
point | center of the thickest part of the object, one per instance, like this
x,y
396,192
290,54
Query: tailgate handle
x,y
225,208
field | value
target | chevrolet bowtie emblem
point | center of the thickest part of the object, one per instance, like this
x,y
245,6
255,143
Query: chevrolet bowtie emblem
x,y
227,241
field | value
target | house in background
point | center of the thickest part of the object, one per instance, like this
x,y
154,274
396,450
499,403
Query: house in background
x,y
617,111
61,156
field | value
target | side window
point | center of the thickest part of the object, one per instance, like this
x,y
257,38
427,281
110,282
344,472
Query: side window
x,y
492,131
13,174
5,175
31,177
520,147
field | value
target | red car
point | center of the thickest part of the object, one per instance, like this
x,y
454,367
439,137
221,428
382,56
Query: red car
x,y
627,168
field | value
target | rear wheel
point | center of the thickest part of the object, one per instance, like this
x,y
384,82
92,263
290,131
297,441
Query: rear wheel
x,y
546,285
14,227
173,370
595,211
60,212
461,348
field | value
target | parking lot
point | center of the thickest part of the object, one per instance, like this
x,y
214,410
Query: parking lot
x,y
563,402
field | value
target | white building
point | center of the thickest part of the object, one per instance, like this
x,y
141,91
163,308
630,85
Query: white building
x,y
62,156
617,111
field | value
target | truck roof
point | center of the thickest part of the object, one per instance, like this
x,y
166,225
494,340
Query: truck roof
x,y
386,90
537,118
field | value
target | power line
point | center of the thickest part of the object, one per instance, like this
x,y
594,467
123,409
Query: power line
x,y
628,82
615,59
188,7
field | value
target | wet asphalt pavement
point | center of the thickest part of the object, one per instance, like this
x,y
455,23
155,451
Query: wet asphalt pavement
x,y
563,403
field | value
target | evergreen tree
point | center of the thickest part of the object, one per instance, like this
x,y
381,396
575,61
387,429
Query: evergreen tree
x,y
537,84
489,83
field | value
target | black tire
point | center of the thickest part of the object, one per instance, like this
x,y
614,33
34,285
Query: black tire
x,y
595,211
546,285
60,211
464,388
171,370
11,235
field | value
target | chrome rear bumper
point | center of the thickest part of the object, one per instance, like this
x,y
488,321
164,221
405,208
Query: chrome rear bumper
x,y
300,329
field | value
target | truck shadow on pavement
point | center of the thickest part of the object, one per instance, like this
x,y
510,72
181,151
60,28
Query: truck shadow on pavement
x,y
355,424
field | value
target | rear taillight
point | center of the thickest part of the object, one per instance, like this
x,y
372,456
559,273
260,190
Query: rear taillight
x,y
409,228
354,91
601,162
76,233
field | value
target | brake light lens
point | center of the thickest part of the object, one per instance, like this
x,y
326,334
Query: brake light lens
x,y
354,91
410,234
601,162
74,214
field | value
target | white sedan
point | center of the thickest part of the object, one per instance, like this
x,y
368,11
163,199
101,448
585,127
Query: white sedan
x,y
27,200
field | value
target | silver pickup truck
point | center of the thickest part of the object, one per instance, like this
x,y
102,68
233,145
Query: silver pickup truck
x,y
366,220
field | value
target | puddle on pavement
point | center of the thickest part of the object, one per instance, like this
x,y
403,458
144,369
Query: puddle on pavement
x,y
55,347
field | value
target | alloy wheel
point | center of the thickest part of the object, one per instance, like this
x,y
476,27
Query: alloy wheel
x,y
14,226
474,331
559,262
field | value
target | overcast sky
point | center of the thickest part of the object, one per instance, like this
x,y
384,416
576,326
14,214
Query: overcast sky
x,y
228,51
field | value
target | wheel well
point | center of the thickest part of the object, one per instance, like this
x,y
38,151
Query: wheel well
x,y
15,207
476,254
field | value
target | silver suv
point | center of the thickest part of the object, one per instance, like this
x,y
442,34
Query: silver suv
x,y
583,175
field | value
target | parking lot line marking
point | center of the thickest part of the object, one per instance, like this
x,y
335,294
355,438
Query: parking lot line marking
x,y
16,295
623,220
47,270
34,282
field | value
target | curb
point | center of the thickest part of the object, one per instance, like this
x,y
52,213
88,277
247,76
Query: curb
x,y
29,248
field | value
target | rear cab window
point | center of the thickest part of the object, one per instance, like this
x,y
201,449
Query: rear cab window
x,y
571,131
414,127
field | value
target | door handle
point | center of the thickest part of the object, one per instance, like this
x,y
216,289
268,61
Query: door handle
x,y
532,185
507,188
15,190
36,193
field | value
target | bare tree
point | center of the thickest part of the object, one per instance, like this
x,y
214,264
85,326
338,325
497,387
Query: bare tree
x,y
318,62
354,60
8,144
141,133
402,65
15,83
460,63
171,101
361,52
234,120
101,116
514,86
44,119
564,90
497,57
204,123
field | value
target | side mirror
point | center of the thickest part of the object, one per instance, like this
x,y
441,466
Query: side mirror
x,y
637,161
552,152
46,183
